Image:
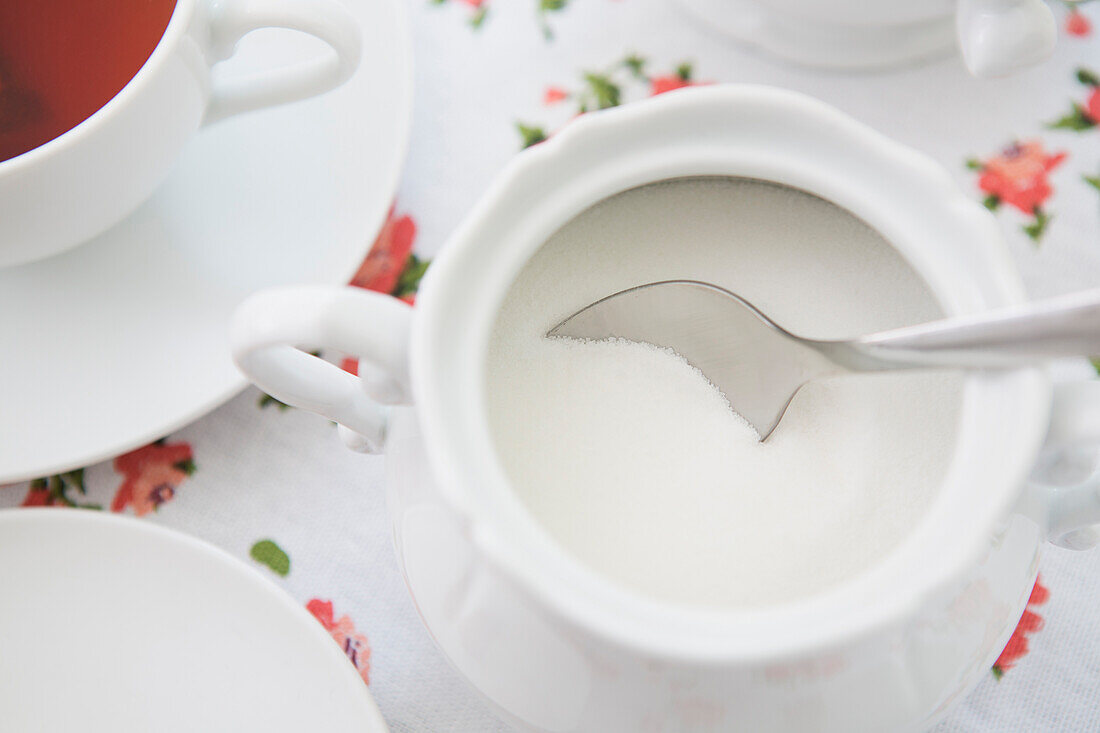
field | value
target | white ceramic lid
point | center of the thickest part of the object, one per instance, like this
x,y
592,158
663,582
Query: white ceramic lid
x,y
117,625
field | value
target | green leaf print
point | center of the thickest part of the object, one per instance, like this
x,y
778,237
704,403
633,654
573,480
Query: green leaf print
x,y
411,276
605,93
1035,229
1076,120
531,134
266,552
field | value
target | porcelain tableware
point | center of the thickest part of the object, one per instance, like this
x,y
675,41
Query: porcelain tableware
x,y
995,37
116,625
73,187
140,313
555,646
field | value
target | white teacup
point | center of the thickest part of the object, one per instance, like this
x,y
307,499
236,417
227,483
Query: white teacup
x,y
79,183
996,37
557,647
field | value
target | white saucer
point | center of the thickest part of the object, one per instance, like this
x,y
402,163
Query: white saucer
x,y
122,340
115,624
829,46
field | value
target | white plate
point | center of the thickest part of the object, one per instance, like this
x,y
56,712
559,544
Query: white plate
x,y
114,624
123,339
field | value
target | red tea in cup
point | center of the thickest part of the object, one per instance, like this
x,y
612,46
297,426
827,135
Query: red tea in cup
x,y
61,60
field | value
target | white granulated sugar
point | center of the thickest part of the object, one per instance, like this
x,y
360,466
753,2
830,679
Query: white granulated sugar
x,y
635,463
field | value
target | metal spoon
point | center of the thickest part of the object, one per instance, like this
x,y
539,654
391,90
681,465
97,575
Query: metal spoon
x,y
759,366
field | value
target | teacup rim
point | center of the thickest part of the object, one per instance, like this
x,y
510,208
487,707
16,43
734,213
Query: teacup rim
x,y
176,27
456,432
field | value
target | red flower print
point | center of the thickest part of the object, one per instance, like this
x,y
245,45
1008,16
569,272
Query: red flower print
x,y
553,95
1092,106
390,266
350,365
1085,116
608,88
671,82
38,495
1019,177
388,255
542,7
480,10
54,491
151,476
1030,622
662,84
1077,24
354,644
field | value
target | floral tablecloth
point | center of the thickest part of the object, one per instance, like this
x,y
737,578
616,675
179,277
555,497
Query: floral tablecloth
x,y
274,485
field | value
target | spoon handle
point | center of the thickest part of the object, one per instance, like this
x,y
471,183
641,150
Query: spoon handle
x,y
1004,338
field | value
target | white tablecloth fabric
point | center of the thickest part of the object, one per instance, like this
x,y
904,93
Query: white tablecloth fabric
x,y
267,473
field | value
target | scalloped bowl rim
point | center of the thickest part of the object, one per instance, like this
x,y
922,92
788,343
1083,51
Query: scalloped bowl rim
x,y
706,132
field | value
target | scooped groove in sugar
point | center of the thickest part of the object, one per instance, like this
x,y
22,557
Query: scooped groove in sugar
x,y
661,366
636,464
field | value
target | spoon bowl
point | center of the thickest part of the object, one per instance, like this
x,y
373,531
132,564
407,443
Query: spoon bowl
x,y
759,366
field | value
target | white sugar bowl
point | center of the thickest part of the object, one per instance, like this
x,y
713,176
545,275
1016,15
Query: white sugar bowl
x,y
556,647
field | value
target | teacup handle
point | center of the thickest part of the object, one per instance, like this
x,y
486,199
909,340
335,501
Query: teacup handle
x,y
327,20
272,330
1072,513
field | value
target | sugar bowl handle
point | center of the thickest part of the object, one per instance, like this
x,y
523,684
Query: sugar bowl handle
x,y
231,20
273,330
